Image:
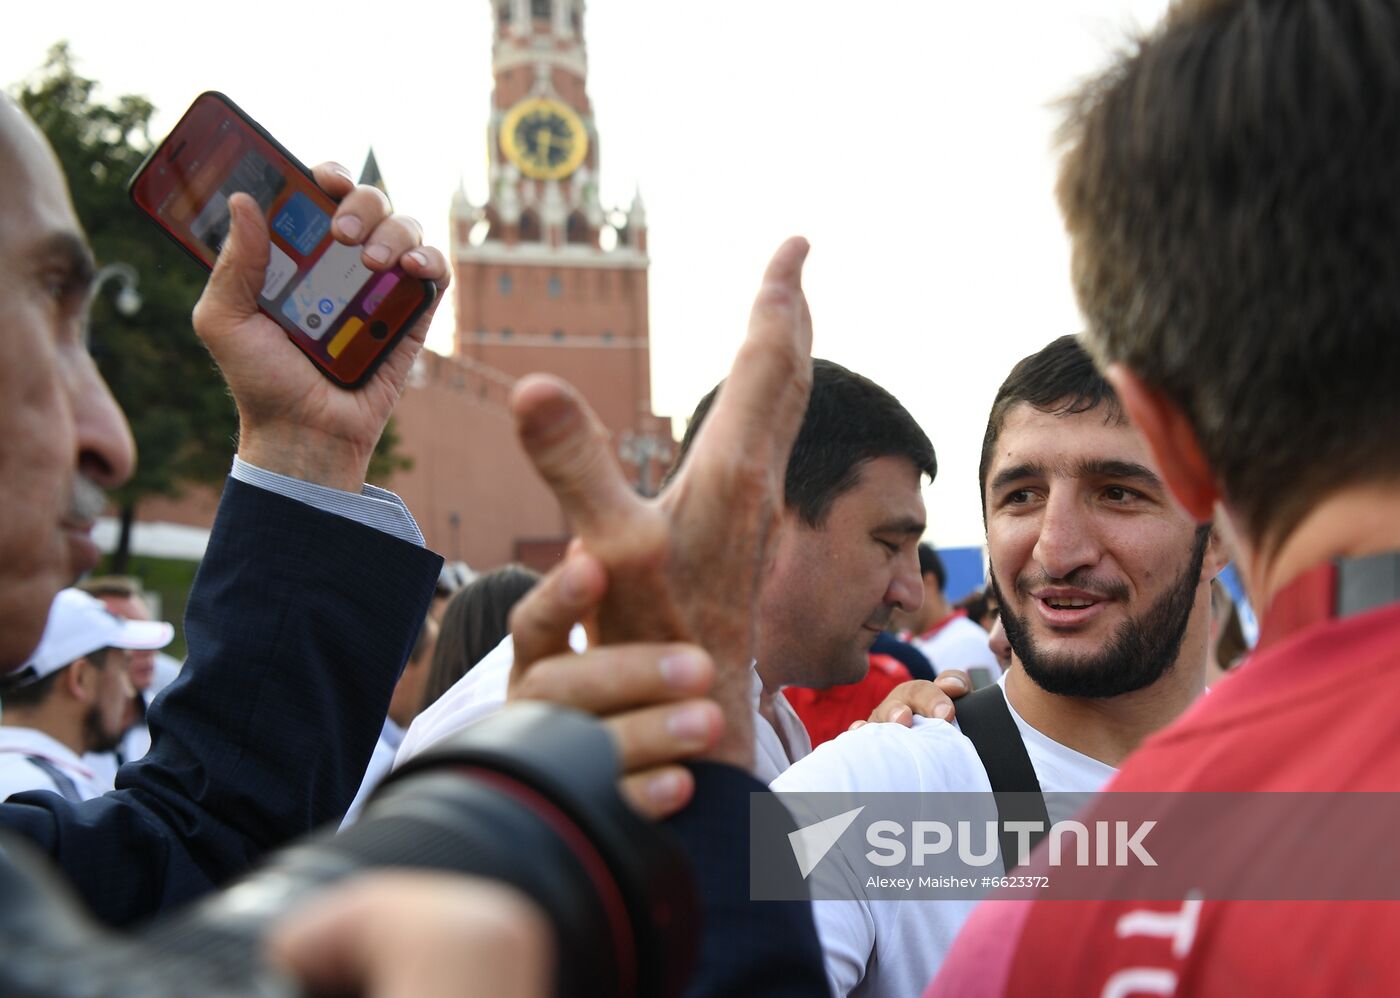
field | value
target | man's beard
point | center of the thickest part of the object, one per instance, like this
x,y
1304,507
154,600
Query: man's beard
x,y
1137,655
95,737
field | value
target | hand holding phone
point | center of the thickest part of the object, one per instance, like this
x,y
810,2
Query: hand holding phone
x,y
292,419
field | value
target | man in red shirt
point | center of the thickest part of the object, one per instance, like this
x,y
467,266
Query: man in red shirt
x,y
1230,191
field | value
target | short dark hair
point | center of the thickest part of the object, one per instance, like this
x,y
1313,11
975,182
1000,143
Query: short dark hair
x,y
850,420
931,564
1059,379
27,695
475,620
1230,190
978,604
30,694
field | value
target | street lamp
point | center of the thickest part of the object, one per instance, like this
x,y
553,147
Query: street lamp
x,y
128,298
641,450
128,304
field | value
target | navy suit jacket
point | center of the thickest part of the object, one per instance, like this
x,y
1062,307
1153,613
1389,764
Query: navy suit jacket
x,y
298,626
762,949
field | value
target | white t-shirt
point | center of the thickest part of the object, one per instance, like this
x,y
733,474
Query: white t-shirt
x,y
19,773
482,692
958,644
890,947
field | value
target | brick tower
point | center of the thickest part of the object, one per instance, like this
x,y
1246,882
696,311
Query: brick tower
x,y
546,278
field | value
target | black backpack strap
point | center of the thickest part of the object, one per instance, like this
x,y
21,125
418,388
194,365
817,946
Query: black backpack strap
x,y
62,782
986,719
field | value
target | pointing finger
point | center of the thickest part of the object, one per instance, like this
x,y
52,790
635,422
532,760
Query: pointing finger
x,y
763,399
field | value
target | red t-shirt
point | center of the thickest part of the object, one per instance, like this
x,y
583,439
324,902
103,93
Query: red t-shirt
x,y
829,712
1317,710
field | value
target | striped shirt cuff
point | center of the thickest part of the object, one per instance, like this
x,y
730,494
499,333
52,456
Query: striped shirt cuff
x,y
373,507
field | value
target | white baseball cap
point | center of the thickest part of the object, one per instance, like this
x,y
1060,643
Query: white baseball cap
x,y
79,625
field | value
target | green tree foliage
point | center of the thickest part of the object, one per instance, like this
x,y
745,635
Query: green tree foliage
x,y
387,458
180,412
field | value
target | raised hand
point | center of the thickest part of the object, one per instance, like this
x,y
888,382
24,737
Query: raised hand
x,y
685,567
651,697
292,419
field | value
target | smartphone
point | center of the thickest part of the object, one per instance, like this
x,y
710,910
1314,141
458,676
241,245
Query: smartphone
x,y
344,316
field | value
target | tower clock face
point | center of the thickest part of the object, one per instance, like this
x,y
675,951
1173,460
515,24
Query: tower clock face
x,y
544,138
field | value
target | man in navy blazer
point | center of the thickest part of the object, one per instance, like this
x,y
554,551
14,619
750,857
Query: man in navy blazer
x,y
312,588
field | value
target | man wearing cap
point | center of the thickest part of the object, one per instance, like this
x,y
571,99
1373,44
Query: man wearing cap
x,y
74,695
150,672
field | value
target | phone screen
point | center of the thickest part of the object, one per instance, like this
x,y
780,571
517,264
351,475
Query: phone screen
x,y
343,315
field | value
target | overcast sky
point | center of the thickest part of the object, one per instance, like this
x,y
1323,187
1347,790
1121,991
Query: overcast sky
x,y
909,140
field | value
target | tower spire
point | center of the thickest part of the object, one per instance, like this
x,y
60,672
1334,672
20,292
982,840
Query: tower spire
x,y
369,173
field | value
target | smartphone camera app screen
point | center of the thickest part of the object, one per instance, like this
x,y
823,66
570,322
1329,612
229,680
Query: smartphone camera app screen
x,y
334,307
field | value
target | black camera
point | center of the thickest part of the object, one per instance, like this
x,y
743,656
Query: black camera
x,y
527,797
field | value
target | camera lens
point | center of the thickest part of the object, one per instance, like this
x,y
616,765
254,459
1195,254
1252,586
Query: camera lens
x,y
529,797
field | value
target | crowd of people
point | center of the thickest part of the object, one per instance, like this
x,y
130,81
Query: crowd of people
x,y
1226,185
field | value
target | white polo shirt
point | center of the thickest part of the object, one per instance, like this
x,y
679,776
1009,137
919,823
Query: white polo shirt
x,y
28,757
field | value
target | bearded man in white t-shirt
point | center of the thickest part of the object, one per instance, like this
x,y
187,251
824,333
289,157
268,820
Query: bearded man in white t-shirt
x,y
1104,588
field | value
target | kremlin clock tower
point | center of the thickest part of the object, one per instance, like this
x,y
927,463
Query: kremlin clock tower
x,y
546,278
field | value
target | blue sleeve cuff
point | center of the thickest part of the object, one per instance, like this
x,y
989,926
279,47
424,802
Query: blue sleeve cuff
x,y
372,507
